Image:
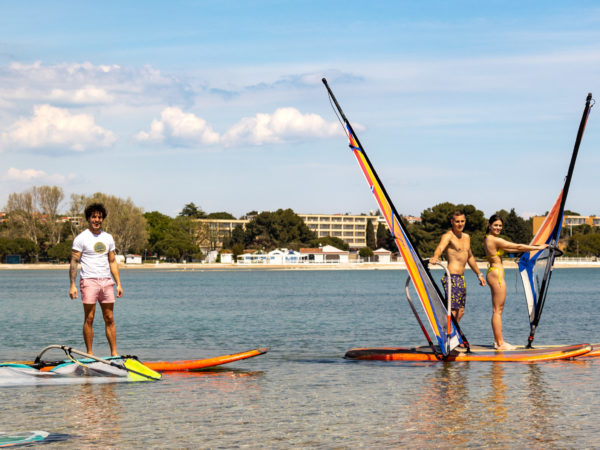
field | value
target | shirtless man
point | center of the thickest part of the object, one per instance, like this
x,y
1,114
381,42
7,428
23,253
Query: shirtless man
x,y
457,246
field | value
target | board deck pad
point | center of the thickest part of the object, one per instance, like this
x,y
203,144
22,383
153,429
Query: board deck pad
x,y
477,353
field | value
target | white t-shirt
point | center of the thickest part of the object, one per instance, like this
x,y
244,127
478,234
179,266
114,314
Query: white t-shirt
x,y
94,250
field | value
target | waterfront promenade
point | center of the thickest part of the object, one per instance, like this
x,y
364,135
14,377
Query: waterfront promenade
x,y
508,264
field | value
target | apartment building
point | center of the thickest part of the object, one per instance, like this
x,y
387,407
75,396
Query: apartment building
x,y
568,222
351,229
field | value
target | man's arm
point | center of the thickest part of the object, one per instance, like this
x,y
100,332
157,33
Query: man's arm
x,y
114,270
473,265
441,248
75,258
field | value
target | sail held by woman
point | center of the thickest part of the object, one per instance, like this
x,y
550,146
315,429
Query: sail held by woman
x,y
536,266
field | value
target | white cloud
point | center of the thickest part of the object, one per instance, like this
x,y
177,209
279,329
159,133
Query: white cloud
x,y
284,125
28,175
179,128
86,95
86,83
56,128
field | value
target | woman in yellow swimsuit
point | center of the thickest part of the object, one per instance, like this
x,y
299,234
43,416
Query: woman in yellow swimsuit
x,y
495,247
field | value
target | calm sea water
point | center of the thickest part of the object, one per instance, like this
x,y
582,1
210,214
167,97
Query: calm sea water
x,y
302,393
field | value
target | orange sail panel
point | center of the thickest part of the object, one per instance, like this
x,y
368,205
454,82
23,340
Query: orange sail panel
x,y
536,266
428,294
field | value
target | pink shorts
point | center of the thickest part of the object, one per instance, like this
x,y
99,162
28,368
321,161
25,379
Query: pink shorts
x,y
97,290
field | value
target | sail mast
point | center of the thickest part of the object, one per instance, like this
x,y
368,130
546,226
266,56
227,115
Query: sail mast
x,y
537,299
448,334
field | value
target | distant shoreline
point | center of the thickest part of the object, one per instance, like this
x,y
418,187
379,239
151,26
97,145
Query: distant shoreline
x,y
246,267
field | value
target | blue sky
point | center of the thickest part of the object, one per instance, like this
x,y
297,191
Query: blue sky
x,y
221,104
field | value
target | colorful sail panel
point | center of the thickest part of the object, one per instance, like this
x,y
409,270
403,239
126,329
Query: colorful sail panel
x,y
533,265
536,266
430,298
447,334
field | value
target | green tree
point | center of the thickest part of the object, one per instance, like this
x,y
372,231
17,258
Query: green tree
x,y
385,238
26,248
584,245
237,249
179,241
124,221
191,210
282,228
516,228
237,237
221,215
584,228
33,214
365,252
380,236
330,240
435,221
48,199
62,251
78,203
157,227
370,236
23,217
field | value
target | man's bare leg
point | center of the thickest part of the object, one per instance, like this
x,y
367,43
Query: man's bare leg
x,y
88,326
109,326
458,314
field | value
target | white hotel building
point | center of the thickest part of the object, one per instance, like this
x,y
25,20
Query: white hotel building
x,y
350,228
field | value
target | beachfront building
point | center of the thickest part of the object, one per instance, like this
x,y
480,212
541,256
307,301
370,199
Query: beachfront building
x,y
349,228
276,257
284,256
327,254
226,257
568,222
322,255
382,256
133,259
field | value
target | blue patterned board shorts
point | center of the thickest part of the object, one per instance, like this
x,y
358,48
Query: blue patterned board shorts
x,y
459,290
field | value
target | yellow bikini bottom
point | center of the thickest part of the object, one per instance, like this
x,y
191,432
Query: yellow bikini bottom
x,y
500,273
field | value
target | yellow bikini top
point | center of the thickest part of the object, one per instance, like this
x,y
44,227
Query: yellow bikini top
x,y
499,252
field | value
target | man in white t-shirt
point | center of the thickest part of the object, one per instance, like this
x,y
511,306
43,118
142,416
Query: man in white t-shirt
x,y
95,249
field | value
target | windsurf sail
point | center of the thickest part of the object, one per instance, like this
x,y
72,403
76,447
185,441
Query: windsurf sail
x,y
445,329
536,266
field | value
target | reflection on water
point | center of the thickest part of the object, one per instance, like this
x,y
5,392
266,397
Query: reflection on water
x,y
466,404
94,411
495,401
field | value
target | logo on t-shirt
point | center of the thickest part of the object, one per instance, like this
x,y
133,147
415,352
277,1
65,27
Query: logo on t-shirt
x,y
99,247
